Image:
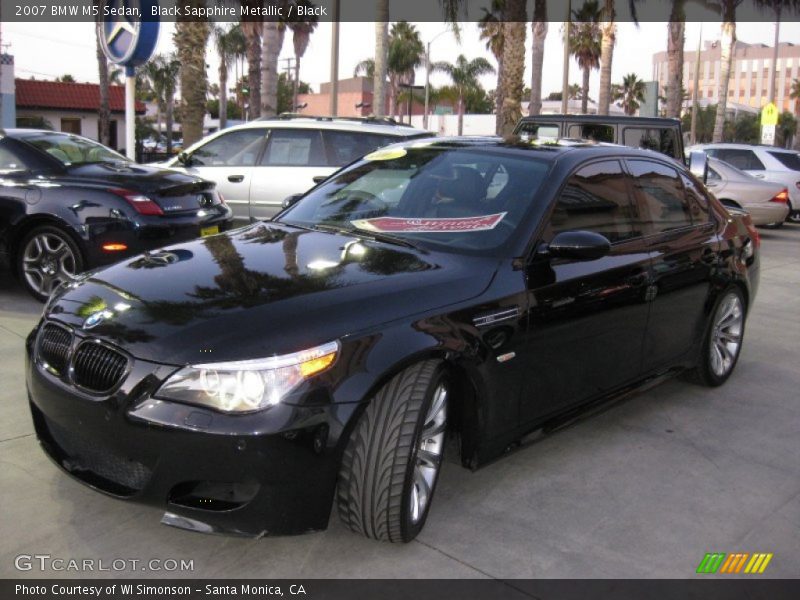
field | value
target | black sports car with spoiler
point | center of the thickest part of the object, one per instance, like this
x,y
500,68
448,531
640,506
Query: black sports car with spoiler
x,y
68,204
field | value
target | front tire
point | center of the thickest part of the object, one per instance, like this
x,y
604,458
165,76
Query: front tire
x,y
723,340
46,258
391,465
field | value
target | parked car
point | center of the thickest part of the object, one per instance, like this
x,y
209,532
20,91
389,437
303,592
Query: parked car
x,y
650,133
766,203
483,287
68,204
763,162
259,164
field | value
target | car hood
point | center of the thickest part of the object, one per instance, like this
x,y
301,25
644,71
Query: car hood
x,y
261,290
147,179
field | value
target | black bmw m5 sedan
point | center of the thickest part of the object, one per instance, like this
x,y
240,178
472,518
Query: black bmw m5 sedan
x,y
68,204
484,289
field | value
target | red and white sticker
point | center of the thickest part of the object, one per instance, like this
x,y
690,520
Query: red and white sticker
x,y
444,225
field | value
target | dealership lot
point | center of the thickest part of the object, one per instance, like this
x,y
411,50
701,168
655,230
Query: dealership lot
x,y
643,489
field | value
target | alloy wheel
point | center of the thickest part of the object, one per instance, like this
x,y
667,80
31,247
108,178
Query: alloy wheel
x,y
726,336
429,454
47,262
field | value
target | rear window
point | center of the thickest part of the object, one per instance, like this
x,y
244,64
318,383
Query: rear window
x,y
790,160
344,147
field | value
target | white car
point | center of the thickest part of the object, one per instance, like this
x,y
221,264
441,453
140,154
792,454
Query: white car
x,y
259,164
766,202
763,162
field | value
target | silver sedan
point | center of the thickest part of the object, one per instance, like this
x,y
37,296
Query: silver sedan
x,y
766,202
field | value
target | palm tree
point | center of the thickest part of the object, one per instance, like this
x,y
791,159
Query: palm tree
x,y
406,52
225,41
584,43
539,32
607,40
675,40
491,32
251,29
728,42
380,70
191,41
631,93
511,85
272,34
104,125
794,94
162,72
464,77
301,34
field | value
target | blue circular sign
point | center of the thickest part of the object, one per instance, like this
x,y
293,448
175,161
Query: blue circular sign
x,y
128,33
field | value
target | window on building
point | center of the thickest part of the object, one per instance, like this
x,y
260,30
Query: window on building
x,y
71,125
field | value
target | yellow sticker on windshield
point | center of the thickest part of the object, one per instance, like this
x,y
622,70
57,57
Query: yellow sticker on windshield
x,y
389,154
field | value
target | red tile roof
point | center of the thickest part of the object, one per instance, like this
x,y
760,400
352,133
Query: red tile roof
x,y
68,96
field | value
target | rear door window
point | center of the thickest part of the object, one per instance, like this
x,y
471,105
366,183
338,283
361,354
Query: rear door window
x,y
592,131
739,158
343,147
294,148
790,160
652,138
698,201
596,198
662,201
539,130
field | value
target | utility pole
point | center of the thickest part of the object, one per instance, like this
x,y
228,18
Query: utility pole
x,y
695,91
334,103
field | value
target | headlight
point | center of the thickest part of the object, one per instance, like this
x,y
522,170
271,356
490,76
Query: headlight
x,y
247,385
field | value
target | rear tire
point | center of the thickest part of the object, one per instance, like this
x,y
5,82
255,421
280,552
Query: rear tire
x,y
391,465
723,340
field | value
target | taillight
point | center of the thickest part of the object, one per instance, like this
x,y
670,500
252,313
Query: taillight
x,y
782,196
141,203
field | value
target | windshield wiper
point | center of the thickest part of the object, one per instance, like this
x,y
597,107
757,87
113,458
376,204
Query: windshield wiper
x,y
375,236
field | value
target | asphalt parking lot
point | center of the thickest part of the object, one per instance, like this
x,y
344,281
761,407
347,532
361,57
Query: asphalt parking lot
x,y
643,489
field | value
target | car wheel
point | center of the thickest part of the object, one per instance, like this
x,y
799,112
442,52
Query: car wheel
x,y
46,258
794,216
776,225
723,340
392,461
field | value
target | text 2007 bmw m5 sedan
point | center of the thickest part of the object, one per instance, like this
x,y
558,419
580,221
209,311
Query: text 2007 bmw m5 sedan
x,y
249,381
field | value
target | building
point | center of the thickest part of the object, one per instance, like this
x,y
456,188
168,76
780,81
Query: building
x,y
750,72
71,107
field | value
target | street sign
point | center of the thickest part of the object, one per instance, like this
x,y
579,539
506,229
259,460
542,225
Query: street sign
x,y
768,135
769,114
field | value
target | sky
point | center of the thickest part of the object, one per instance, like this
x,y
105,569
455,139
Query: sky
x,y
50,50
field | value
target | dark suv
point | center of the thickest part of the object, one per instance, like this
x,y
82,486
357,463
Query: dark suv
x,y
650,133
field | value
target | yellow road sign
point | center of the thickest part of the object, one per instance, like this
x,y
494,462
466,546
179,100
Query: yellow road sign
x,y
769,114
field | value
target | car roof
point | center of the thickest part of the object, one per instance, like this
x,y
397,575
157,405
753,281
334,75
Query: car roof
x,y
362,124
738,146
605,119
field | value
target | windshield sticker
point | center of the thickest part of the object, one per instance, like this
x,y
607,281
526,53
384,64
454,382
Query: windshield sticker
x,y
389,154
448,225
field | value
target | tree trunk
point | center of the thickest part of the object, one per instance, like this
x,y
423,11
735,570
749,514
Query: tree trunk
x,y
606,56
460,114
728,42
104,124
675,41
796,140
498,92
252,37
539,32
585,91
381,51
514,32
269,68
223,94
392,97
168,125
188,37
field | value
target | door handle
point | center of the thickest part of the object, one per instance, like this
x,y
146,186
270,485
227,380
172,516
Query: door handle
x,y
319,178
637,280
759,175
236,178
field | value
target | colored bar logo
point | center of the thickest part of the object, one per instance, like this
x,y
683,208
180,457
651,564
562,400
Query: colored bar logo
x,y
738,562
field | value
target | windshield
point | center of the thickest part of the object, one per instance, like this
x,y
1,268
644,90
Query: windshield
x,y
72,149
461,199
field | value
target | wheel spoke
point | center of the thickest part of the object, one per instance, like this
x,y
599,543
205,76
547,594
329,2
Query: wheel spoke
x,y
429,459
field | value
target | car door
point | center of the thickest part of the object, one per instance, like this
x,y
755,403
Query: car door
x,y
292,159
229,160
683,242
586,318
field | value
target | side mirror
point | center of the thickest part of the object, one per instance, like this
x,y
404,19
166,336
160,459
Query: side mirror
x,y
291,200
698,165
185,159
578,245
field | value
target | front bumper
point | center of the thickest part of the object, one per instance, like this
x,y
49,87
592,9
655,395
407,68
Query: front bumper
x,y
271,473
